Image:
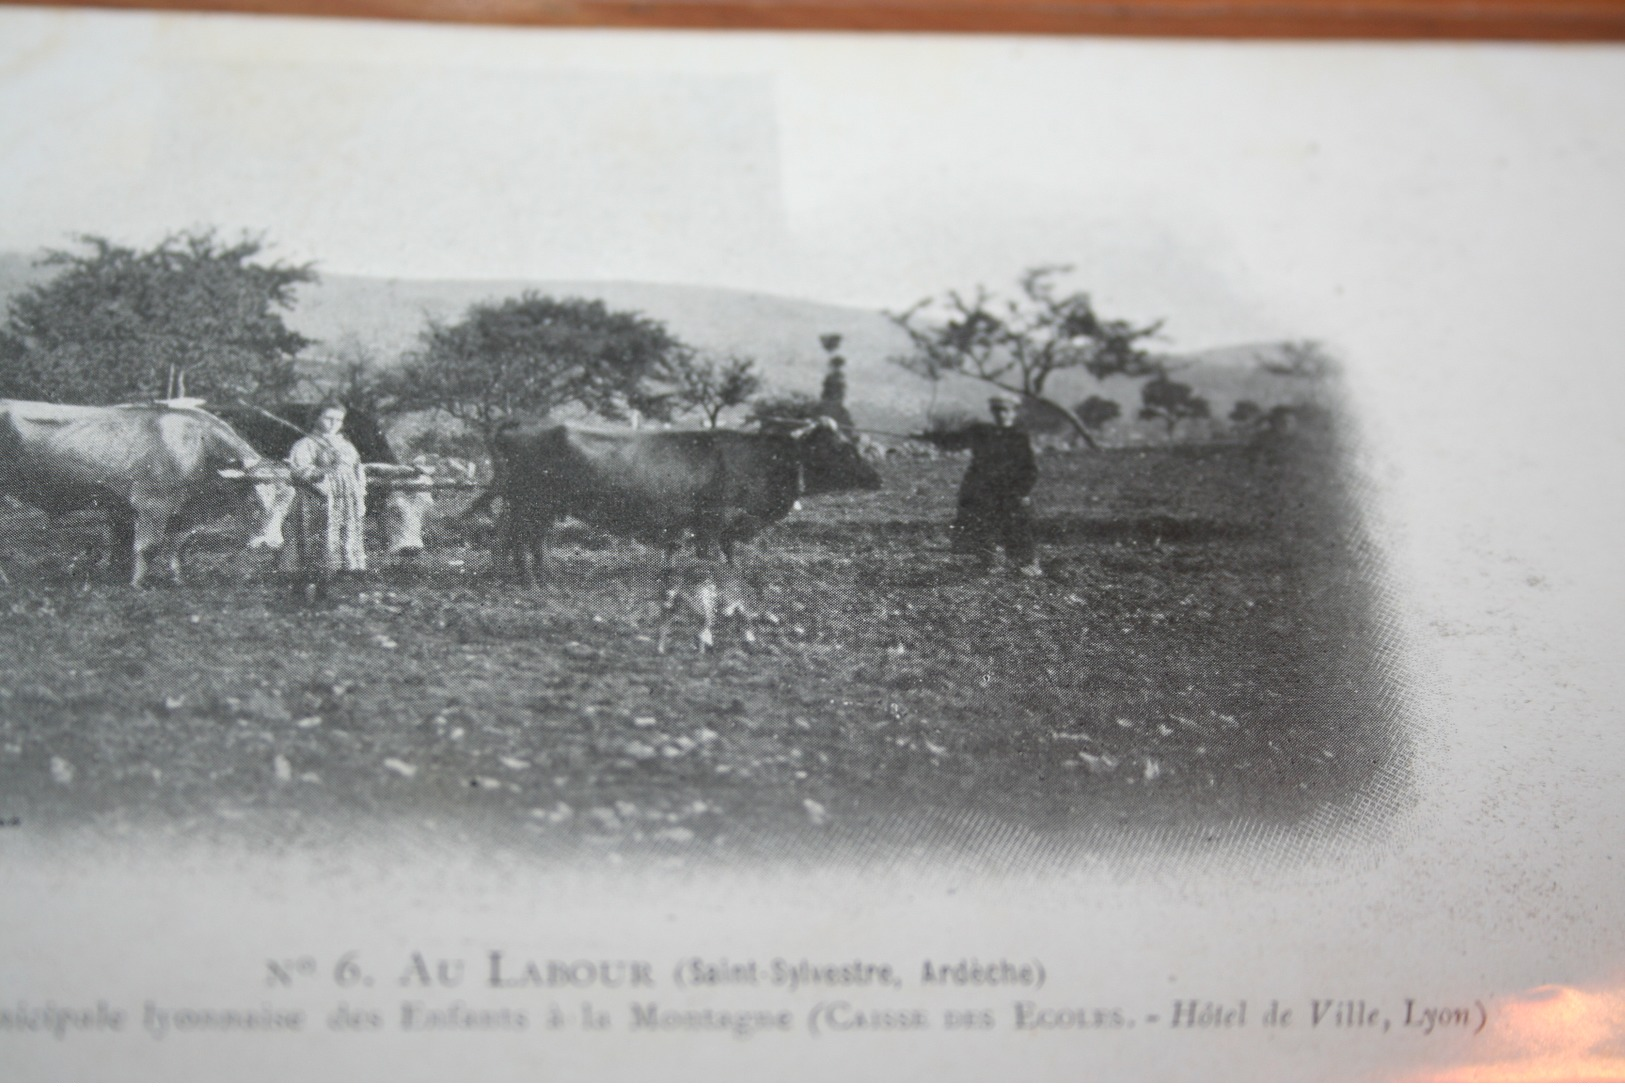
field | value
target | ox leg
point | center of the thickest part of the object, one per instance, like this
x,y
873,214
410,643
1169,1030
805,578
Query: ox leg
x,y
709,535
506,551
120,541
520,543
707,601
668,615
151,523
527,554
747,634
177,550
180,543
536,555
742,529
536,548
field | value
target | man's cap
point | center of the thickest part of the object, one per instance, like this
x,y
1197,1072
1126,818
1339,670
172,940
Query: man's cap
x,y
1003,400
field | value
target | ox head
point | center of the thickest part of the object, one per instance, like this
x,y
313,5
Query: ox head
x,y
408,497
405,509
831,461
274,500
272,485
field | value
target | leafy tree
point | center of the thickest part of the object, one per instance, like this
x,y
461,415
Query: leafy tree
x,y
535,355
1288,419
1019,343
1247,416
195,315
710,386
1097,411
1171,401
1301,358
776,411
352,375
1296,430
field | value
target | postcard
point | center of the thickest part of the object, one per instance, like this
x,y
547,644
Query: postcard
x,y
595,554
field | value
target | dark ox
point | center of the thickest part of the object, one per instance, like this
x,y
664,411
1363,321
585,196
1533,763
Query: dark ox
x,y
405,502
724,486
155,468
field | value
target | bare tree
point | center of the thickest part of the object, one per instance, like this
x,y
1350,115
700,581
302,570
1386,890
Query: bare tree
x,y
1172,402
1018,343
1307,359
711,386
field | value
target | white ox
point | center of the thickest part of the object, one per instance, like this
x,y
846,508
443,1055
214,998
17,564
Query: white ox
x,y
410,495
156,468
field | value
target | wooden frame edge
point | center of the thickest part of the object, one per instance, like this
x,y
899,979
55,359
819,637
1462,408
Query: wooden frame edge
x,y
1558,20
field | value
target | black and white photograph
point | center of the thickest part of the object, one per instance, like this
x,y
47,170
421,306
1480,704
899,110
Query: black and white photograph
x,y
989,560
583,553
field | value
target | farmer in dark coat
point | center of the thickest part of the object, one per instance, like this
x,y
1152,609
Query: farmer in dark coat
x,y
995,497
832,401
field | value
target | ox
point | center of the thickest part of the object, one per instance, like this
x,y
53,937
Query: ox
x,y
155,467
405,499
655,486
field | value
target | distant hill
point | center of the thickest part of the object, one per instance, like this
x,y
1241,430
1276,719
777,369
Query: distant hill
x,y
17,271
782,334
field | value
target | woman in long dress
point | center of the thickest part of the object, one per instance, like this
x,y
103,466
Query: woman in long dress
x,y
331,502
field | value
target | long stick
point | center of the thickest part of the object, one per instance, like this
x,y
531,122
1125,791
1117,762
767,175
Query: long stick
x,y
858,429
892,434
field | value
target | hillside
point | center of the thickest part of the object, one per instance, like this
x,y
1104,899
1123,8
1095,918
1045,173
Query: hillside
x,y
16,272
782,334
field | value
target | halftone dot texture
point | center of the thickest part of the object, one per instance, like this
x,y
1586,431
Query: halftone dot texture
x,y
1212,664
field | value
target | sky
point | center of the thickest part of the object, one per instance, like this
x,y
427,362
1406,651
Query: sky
x,y
1209,186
